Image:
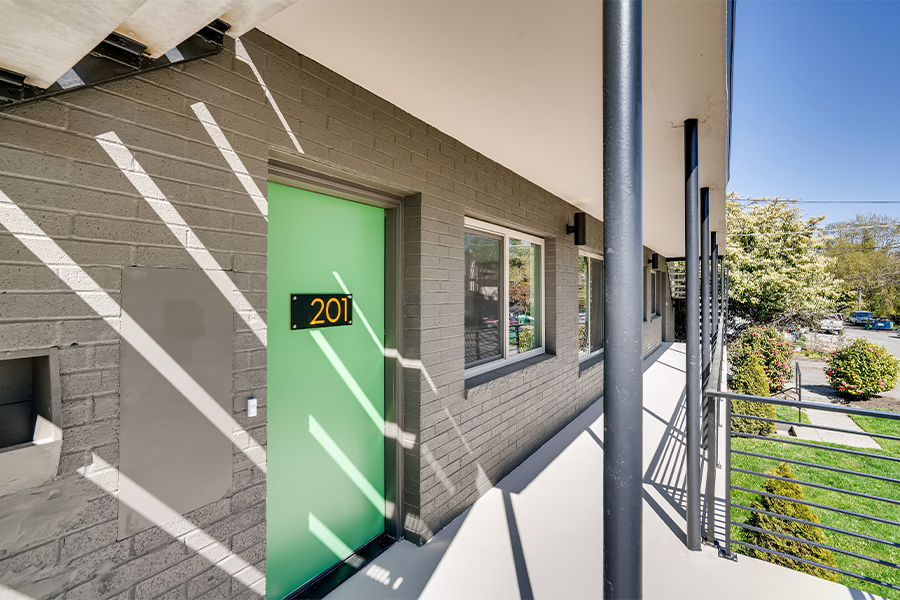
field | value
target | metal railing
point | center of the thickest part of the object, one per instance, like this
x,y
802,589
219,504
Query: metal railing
x,y
850,498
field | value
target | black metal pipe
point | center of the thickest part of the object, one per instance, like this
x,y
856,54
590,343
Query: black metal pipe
x,y
787,536
782,440
705,319
818,466
863,412
855,534
842,511
623,306
883,436
726,551
818,486
714,279
692,329
815,564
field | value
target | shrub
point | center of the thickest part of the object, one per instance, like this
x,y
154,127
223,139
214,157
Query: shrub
x,y
750,379
798,530
861,370
769,345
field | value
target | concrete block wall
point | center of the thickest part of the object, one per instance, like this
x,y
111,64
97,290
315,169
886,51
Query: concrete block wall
x,y
60,539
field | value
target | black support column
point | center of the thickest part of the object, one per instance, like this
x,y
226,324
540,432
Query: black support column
x,y
692,329
715,284
706,320
623,306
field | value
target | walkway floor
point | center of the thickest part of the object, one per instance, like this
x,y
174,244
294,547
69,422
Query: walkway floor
x,y
817,389
538,533
837,420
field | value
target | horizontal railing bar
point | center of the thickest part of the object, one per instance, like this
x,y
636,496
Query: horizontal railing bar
x,y
815,466
863,412
818,486
843,511
782,440
861,536
811,426
785,536
815,564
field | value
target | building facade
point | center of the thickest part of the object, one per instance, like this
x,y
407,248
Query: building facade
x,y
158,233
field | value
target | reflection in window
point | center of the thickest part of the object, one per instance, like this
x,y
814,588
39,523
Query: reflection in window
x,y
583,317
590,305
524,300
483,328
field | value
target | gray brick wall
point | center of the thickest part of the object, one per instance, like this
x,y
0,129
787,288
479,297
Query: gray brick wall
x,y
59,539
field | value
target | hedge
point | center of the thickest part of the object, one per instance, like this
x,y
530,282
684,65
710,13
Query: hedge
x,y
861,369
750,379
769,346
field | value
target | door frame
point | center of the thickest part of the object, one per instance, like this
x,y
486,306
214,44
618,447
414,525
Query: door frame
x,y
309,174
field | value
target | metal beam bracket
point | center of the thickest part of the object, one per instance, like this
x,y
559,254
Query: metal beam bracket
x,y
115,57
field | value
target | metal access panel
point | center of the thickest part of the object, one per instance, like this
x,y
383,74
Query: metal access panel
x,y
170,451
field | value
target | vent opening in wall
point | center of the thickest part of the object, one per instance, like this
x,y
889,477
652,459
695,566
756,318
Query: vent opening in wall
x,y
30,431
17,414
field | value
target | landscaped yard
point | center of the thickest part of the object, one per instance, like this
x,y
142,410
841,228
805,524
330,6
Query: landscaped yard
x,y
865,485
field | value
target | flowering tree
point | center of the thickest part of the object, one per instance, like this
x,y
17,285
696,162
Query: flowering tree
x,y
770,347
861,370
776,261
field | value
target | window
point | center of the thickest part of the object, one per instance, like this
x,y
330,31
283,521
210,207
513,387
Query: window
x,y
504,295
590,305
654,292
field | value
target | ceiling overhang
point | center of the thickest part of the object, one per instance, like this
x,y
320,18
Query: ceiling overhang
x,y
521,83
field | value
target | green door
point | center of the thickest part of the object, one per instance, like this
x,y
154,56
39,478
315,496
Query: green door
x,y
325,494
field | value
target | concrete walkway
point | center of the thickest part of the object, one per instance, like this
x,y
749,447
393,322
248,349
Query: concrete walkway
x,y
538,533
837,420
817,390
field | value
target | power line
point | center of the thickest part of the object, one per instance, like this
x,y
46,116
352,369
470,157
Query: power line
x,y
826,230
798,201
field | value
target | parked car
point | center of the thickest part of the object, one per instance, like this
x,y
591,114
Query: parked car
x,y
880,323
859,317
832,324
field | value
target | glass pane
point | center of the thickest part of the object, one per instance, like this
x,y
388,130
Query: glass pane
x,y
596,304
483,327
583,317
524,296
653,295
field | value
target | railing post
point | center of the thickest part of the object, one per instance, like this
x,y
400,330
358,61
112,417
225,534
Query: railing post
x,y
712,460
623,306
692,329
726,550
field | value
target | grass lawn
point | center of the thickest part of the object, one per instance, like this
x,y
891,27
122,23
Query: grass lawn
x,y
866,485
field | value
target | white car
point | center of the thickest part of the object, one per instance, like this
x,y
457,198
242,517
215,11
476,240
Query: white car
x,y
832,324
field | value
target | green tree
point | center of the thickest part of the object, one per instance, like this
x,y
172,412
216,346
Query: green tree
x,y
865,257
751,380
776,261
800,532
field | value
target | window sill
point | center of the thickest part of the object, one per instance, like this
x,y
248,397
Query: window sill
x,y
589,361
503,370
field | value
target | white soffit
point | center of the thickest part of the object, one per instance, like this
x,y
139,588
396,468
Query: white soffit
x,y
521,82
244,15
44,39
163,24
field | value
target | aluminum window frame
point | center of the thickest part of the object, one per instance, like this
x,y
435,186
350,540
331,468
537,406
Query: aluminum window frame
x,y
598,257
481,227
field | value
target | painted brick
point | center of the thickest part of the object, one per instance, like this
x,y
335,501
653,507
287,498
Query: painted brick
x,y
54,169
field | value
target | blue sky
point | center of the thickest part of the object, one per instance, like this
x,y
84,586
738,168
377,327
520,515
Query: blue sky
x,y
817,103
